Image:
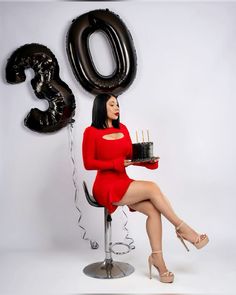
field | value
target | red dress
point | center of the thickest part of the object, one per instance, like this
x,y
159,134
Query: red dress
x,y
107,156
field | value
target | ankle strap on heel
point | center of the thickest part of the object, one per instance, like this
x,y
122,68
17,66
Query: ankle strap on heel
x,y
179,226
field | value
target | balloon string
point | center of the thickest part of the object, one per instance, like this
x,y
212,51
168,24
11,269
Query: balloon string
x,y
93,244
127,236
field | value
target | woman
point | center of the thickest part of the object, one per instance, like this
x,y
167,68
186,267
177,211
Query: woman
x,y
107,147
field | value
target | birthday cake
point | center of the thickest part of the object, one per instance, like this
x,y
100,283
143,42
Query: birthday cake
x,y
142,151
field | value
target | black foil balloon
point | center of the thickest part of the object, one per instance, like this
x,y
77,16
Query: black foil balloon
x,y
122,48
46,84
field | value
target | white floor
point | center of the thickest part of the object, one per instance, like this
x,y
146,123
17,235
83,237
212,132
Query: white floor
x,y
208,271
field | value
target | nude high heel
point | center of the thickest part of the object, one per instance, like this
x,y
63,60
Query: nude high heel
x,y
166,277
199,243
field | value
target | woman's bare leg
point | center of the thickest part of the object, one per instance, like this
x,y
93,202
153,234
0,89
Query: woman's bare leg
x,y
154,230
153,223
139,191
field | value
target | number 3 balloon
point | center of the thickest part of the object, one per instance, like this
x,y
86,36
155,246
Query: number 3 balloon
x,y
121,44
46,84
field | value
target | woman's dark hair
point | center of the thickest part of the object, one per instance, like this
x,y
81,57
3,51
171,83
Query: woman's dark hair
x,y
99,113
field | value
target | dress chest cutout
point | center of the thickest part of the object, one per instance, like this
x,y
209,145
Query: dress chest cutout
x,y
113,136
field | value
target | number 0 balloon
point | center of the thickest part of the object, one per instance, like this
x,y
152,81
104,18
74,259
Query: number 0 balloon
x,y
122,48
46,84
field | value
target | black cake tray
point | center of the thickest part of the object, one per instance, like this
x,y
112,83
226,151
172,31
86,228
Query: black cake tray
x,y
145,160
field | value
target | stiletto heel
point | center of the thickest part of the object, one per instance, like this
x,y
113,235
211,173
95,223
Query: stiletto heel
x,y
182,240
150,267
166,277
199,243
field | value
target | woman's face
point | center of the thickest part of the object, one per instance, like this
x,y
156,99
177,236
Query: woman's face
x,y
112,108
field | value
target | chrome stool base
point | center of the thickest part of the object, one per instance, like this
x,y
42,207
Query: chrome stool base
x,y
108,269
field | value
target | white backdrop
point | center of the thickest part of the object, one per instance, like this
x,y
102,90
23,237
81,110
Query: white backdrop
x,y
184,93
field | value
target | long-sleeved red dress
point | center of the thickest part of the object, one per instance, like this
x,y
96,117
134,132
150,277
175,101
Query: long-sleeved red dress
x,y
107,156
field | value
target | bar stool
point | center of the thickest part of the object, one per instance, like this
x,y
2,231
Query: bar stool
x,y
107,269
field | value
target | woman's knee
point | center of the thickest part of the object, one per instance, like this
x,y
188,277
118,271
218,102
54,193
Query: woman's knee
x,y
153,188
